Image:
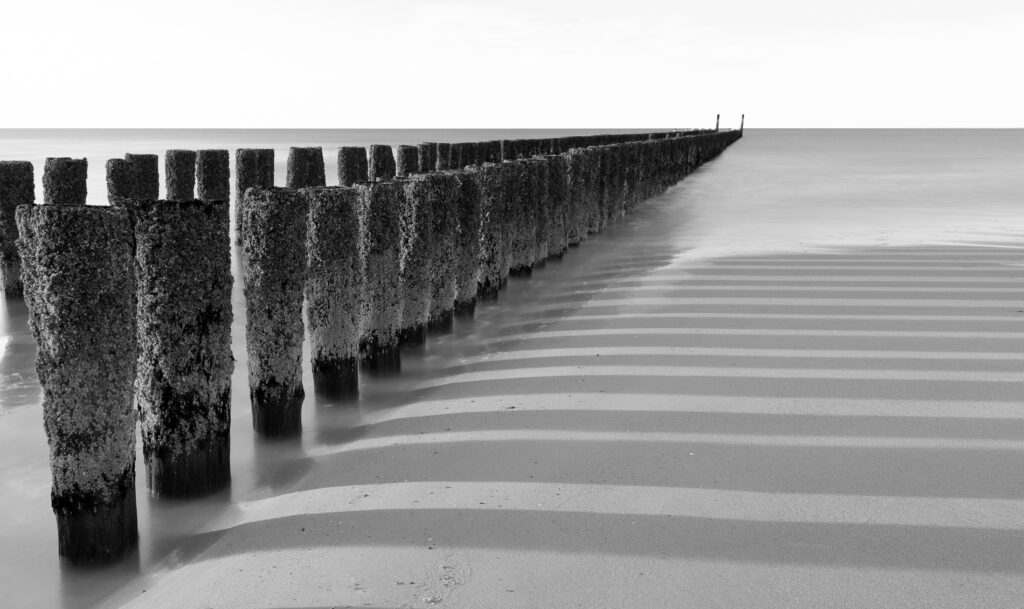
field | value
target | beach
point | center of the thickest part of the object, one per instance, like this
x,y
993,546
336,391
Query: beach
x,y
792,380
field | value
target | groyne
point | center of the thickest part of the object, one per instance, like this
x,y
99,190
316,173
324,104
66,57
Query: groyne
x,y
402,245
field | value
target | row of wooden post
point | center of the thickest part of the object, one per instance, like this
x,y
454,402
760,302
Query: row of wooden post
x,y
133,300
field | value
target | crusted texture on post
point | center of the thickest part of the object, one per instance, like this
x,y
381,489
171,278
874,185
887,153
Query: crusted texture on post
x,y
416,259
213,175
382,163
408,161
467,241
180,175
64,181
523,218
183,390
305,168
147,176
274,267
80,293
492,229
427,152
122,176
352,165
444,156
380,246
254,167
334,288
443,191
17,187
558,187
537,168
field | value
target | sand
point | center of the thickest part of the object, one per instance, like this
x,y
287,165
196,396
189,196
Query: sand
x,y
625,429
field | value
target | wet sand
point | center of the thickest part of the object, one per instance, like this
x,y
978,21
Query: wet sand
x,y
633,427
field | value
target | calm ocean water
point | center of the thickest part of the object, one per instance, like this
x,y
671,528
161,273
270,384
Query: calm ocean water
x,y
775,190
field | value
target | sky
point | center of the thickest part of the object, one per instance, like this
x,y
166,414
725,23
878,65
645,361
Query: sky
x,y
515,63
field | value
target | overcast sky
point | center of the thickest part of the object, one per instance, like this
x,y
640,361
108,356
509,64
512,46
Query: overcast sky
x,y
516,63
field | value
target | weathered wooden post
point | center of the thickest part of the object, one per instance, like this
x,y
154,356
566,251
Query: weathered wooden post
x,y
522,216
17,187
80,293
64,181
467,243
334,288
508,150
180,175
183,391
558,186
274,268
717,116
490,152
492,230
305,167
121,180
443,188
743,118
147,176
444,156
415,260
408,161
254,167
537,170
352,165
213,175
575,196
427,152
382,163
380,244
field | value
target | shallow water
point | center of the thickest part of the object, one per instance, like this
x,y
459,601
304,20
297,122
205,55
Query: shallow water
x,y
772,192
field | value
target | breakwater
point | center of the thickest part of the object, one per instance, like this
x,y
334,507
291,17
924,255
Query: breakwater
x,y
525,218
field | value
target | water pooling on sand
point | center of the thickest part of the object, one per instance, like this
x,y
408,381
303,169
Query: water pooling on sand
x,y
773,191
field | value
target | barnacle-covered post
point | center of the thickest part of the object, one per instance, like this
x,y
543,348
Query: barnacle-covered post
x,y
352,165
80,293
523,225
274,268
121,180
408,161
254,167
180,174
492,230
489,152
213,175
415,260
147,176
558,187
443,192
334,288
17,187
305,167
64,181
537,170
444,156
467,242
576,182
382,163
380,244
183,391
427,152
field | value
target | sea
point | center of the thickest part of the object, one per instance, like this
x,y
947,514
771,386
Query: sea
x,y
775,190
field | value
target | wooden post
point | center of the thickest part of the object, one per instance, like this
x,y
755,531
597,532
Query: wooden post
x,y
492,230
382,163
254,167
17,187
80,294
274,269
183,266
743,118
408,161
305,167
122,176
427,152
717,116
334,288
442,192
64,181
180,175
415,260
380,243
352,165
147,176
467,242
213,175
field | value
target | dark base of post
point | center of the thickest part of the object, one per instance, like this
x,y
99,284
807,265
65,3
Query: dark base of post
x,y
414,338
557,256
574,243
380,360
485,292
278,417
541,263
466,308
521,271
336,379
205,470
442,323
102,535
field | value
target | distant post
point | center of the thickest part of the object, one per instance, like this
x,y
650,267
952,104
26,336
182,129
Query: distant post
x,y
305,167
408,161
147,176
64,181
743,117
382,163
717,116
213,175
17,187
180,174
352,165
